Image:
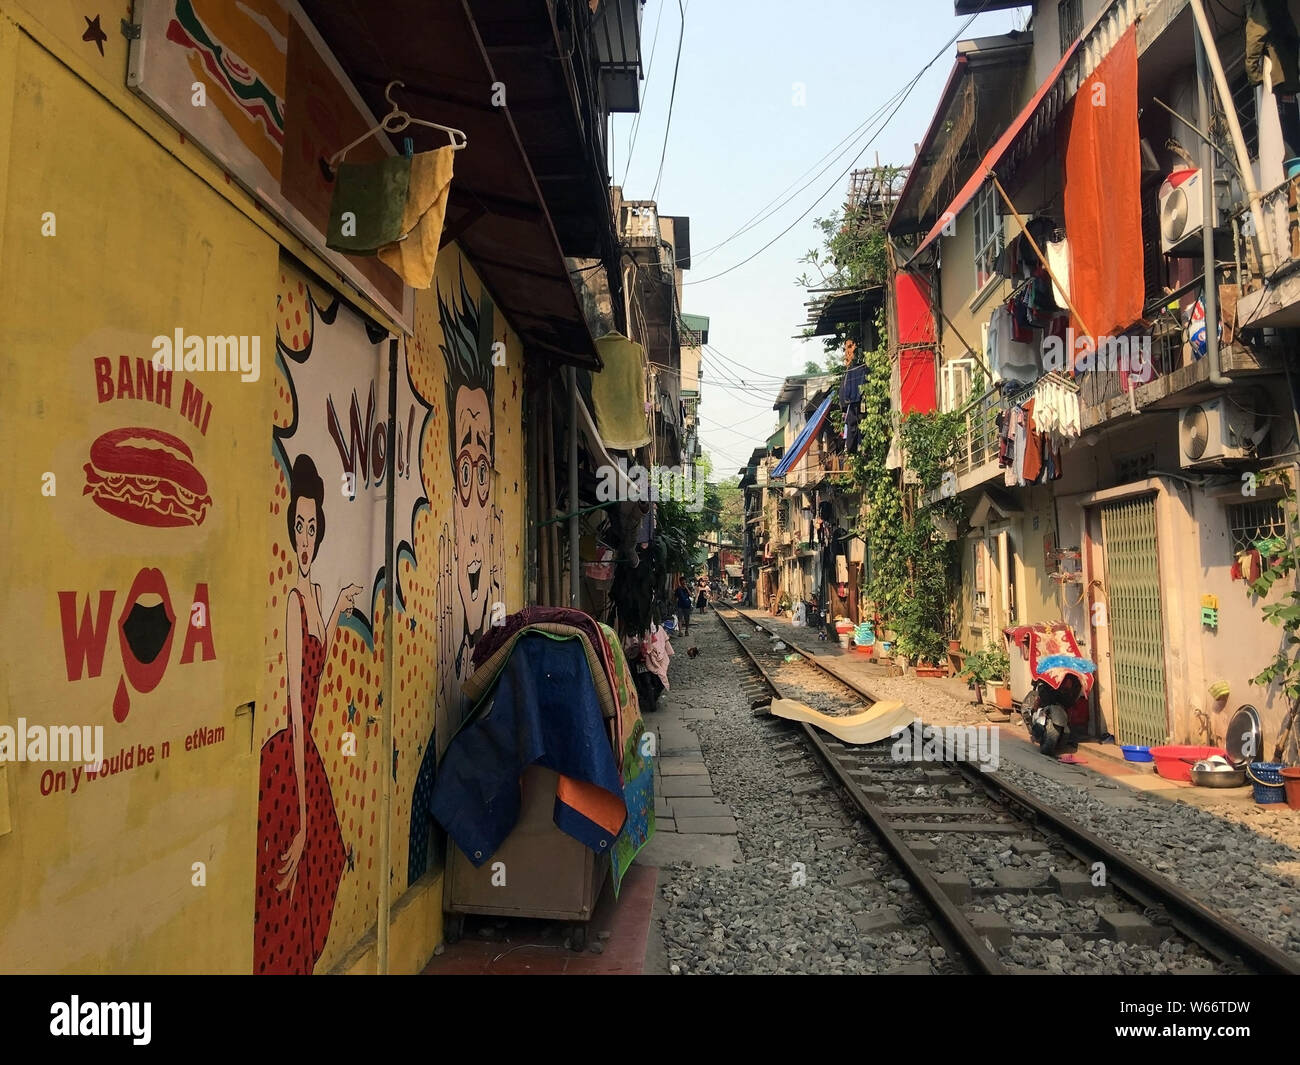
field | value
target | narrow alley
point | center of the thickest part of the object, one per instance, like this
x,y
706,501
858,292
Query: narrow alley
x,y
651,488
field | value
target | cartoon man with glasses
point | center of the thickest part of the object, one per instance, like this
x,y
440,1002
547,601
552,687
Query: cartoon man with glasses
x,y
471,558
471,548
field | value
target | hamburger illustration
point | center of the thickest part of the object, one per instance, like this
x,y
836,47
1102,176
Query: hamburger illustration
x,y
147,477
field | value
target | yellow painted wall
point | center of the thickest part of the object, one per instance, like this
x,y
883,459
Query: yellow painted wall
x,y
150,236
425,643
99,879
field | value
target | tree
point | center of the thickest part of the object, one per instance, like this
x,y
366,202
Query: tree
x,y
855,248
731,510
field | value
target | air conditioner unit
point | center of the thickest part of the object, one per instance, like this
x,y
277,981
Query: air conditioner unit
x,y
1216,431
1182,210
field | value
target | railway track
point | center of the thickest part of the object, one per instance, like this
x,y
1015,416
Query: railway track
x,y
964,838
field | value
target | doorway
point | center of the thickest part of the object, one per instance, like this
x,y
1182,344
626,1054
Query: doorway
x,y
1132,616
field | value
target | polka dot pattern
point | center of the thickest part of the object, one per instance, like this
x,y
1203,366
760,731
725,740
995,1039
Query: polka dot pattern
x,y
292,920
351,674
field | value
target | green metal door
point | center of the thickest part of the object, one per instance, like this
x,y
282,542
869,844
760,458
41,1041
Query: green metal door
x,y
1128,534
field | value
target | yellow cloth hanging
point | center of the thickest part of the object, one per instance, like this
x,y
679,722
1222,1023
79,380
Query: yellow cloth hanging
x,y
618,393
413,257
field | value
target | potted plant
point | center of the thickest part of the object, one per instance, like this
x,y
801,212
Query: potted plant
x,y
987,671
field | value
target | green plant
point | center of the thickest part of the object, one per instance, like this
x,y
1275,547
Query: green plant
x,y
855,251
1285,613
909,578
985,665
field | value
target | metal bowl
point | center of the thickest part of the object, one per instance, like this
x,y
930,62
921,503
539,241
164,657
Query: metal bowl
x,y
1222,778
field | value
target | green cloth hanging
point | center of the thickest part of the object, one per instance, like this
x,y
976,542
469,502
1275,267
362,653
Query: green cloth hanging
x,y
375,196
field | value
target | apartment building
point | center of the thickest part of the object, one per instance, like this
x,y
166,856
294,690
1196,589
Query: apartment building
x,y
1125,406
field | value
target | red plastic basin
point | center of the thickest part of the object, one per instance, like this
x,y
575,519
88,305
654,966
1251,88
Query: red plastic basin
x,y
1170,762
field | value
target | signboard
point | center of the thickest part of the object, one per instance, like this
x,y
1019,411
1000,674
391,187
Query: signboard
x,y
256,88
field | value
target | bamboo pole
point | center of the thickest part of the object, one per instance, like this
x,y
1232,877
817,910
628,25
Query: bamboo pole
x,y
1024,228
1262,234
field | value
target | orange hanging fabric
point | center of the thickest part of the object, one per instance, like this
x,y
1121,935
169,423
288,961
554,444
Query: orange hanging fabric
x,y
1103,207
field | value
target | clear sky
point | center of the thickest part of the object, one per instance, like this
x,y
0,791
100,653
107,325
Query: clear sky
x,y
765,89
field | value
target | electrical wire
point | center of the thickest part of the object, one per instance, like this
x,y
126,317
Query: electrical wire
x,y
752,371
771,208
911,85
636,122
681,36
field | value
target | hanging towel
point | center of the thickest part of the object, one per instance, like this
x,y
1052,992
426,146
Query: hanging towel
x,y
373,196
618,393
997,333
412,257
1020,362
1020,428
1058,261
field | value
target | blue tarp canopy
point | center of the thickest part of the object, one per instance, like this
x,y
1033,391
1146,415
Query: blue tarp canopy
x,y
805,438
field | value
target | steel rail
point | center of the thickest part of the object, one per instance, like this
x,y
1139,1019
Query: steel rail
x,y
949,913
1219,935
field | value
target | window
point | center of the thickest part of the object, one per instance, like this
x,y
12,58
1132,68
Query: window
x,y
1135,466
988,236
1069,20
955,383
1248,523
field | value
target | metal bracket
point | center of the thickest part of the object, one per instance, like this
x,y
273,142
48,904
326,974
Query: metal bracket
x,y
131,30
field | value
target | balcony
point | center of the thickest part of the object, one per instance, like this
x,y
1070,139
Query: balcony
x,y
1277,303
977,449
1181,380
834,462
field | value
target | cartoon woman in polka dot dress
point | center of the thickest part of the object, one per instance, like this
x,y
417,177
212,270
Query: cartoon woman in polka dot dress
x,y
300,855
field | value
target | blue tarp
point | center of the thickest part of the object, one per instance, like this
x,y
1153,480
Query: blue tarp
x,y
804,440
542,710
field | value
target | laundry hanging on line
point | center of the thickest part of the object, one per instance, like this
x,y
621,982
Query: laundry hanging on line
x,y
394,209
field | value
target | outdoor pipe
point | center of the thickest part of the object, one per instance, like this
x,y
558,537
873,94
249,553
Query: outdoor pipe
x,y
1211,56
1209,215
390,655
574,546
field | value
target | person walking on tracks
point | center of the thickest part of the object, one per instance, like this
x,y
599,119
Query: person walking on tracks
x,y
683,596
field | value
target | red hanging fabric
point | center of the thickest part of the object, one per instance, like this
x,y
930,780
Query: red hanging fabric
x,y
1103,207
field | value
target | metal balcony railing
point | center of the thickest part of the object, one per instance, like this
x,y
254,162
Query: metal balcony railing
x,y
979,443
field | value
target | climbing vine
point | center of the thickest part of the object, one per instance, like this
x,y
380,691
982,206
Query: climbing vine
x,y
911,569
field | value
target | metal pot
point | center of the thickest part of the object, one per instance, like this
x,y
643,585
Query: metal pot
x,y
1224,778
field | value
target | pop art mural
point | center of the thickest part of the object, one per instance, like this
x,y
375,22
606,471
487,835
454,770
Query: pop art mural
x,y
320,747
233,822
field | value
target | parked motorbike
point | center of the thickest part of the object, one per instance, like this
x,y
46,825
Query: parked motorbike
x,y
1045,715
1058,684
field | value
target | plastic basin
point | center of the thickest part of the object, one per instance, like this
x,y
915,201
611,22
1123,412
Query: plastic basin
x,y
1134,753
1175,762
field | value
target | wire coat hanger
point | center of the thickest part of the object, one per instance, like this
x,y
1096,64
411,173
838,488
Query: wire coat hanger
x,y
394,122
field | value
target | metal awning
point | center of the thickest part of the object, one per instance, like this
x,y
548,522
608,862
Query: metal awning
x,y
804,440
496,210
1036,116
827,312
